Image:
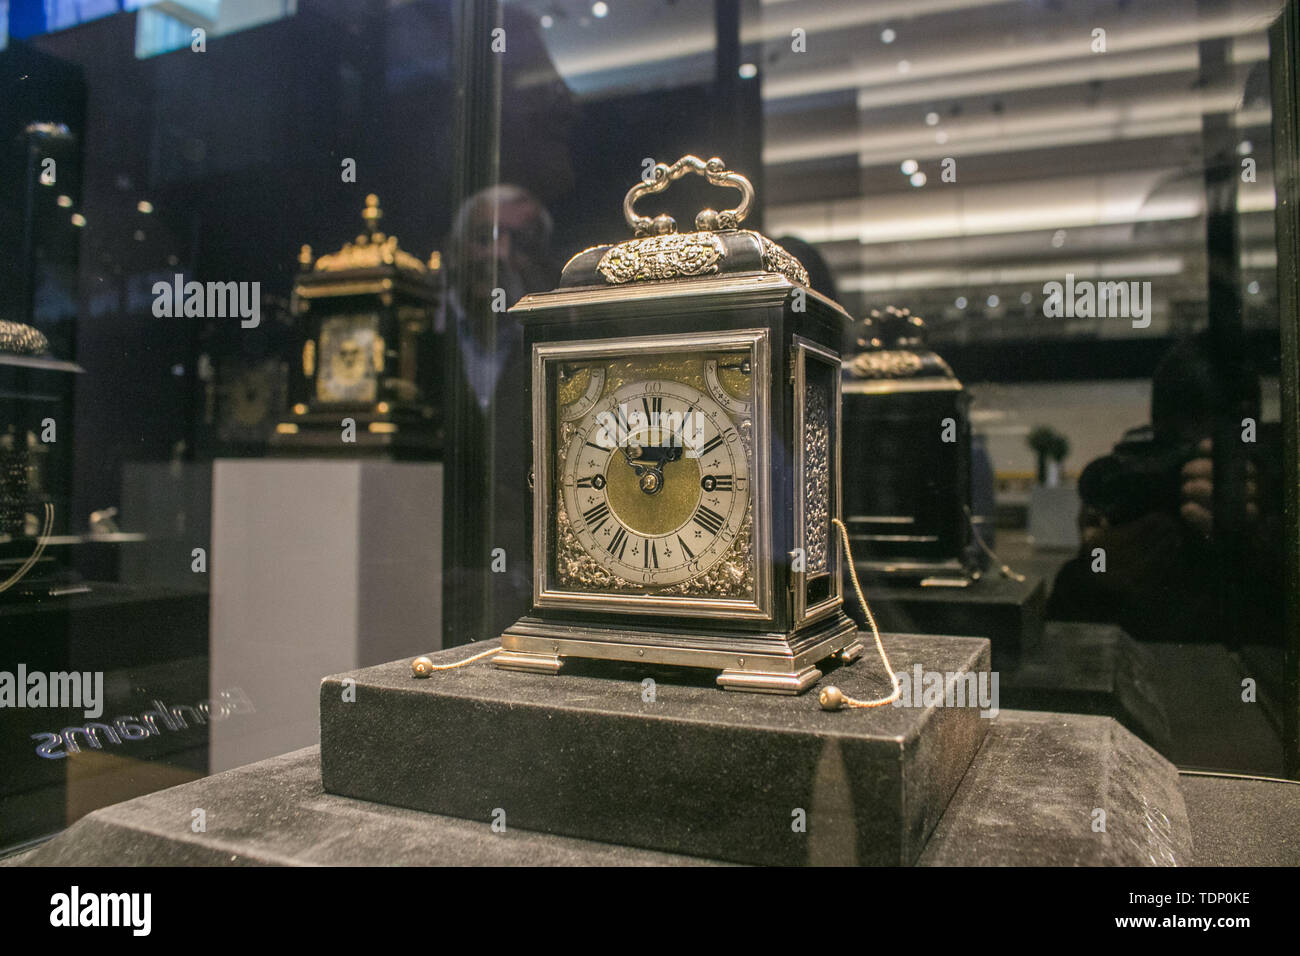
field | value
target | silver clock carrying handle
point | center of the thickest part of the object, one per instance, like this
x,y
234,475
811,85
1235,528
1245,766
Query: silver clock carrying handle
x,y
705,220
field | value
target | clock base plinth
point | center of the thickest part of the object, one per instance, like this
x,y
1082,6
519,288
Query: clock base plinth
x,y
765,663
524,661
402,432
766,682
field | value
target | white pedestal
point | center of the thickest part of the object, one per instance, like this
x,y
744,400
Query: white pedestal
x,y
317,566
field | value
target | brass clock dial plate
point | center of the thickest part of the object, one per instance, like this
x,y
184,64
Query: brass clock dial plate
x,y
651,488
345,365
655,481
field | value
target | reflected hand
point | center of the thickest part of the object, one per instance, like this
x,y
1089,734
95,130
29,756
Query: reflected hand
x,y
1196,497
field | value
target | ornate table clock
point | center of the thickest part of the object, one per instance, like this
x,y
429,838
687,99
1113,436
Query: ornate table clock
x,y
368,353
906,417
685,455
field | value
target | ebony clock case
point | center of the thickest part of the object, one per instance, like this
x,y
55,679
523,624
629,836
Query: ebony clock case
x,y
803,620
907,468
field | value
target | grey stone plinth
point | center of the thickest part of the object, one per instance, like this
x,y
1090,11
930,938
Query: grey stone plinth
x,y
750,778
274,813
1034,792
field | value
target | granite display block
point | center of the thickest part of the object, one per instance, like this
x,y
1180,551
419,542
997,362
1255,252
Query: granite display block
x,y
597,753
1009,613
1064,790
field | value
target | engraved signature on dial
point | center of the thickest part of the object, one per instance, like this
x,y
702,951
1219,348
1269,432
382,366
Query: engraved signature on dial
x,y
655,483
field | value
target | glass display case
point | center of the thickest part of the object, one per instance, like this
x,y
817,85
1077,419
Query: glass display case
x,y
1036,286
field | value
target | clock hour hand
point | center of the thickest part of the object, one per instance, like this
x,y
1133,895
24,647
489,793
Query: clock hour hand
x,y
648,462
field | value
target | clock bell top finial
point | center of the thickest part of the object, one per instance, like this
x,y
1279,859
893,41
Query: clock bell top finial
x,y
371,249
372,214
891,344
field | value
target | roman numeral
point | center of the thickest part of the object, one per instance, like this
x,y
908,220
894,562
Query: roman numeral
x,y
689,553
585,482
654,407
713,443
708,519
598,514
651,554
618,544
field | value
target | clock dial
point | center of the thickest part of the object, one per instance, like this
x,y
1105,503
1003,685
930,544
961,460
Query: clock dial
x,y
655,481
346,367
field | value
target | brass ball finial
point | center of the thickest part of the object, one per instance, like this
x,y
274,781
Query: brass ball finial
x,y
421,667
830,698
372,213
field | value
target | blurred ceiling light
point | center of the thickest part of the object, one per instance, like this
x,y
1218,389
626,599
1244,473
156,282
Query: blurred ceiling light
x,y
932,118
1123,268
888,36
78,220
1026,298
145,206
1143,50
1166,114
748,71
599,9
1035,206
941,137
1253,288
1058,238
65,201
961,302
1245,147
993,301
909,166
917,179
548,21
904,66
963,65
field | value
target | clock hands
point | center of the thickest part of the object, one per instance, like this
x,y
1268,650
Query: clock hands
x,y
648,462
